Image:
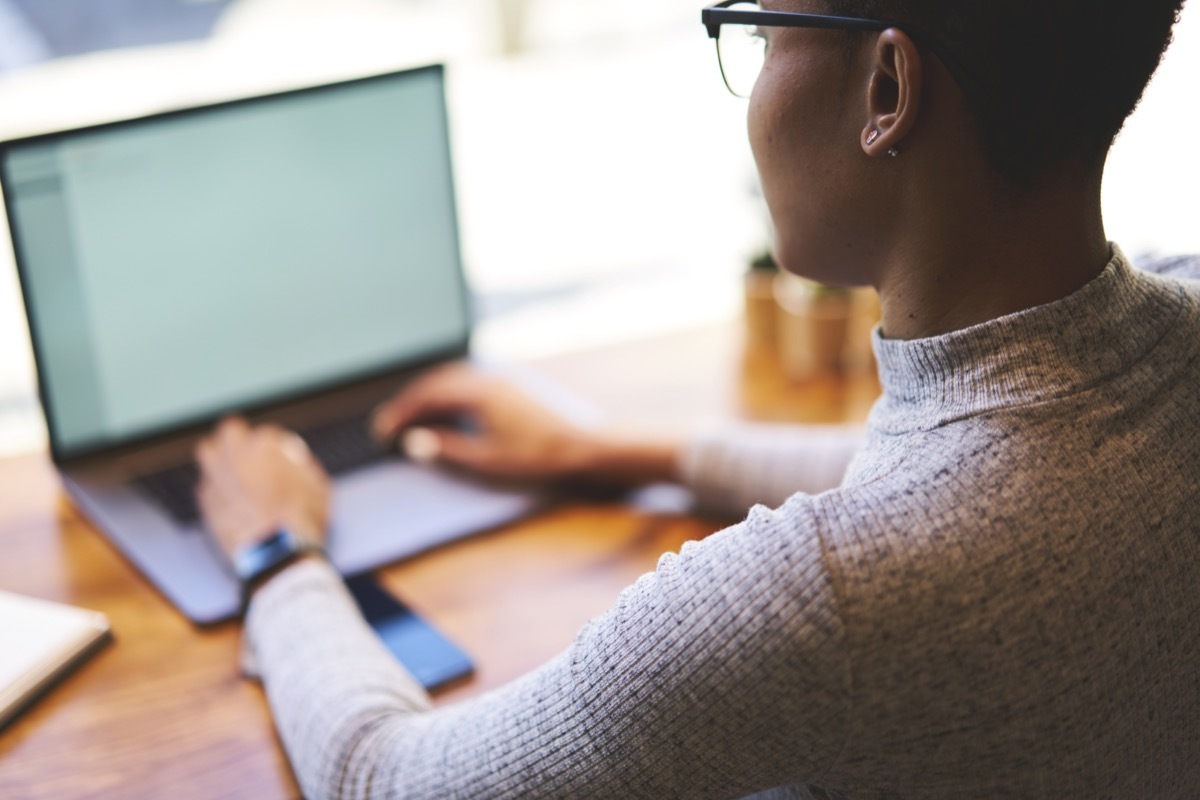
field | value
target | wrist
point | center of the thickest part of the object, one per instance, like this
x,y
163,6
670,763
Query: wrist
x,y
254,587
257,563
631,459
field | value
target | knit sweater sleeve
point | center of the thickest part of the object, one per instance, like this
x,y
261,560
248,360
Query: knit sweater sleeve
x,y
720,674
733,467
1186,267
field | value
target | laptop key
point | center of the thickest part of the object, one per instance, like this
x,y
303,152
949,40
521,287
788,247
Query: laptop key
x,y
344,445
340,447
174,489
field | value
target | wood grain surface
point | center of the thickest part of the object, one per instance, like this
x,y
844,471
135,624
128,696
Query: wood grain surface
x,y
163,711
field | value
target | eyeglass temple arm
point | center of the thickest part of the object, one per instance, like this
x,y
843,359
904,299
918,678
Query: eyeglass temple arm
x,y
714,17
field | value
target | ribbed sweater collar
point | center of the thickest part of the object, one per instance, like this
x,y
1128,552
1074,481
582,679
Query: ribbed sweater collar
x,y
1038,354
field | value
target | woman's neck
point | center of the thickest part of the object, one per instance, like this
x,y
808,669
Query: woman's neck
x,y
972,257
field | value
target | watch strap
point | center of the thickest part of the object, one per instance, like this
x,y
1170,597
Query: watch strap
x,y
255,563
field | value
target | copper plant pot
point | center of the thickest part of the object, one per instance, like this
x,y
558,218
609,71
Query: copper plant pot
x,y
813,326
761,311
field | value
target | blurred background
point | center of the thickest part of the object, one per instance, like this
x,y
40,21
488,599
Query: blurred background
x,y
606,190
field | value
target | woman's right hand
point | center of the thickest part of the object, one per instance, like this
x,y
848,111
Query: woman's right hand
x,y
509,434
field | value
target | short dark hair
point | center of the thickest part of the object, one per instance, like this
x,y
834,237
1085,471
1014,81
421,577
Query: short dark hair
x,y
1060,76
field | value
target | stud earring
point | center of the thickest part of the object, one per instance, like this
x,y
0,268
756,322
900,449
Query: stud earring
x,y
871,137
893,152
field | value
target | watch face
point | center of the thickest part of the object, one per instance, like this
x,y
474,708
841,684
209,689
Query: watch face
x,y
255,559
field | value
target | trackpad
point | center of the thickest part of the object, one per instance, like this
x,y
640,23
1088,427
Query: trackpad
x,y
395,509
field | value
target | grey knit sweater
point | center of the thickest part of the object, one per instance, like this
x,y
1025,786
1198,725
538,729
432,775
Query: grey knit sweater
x,y
999,598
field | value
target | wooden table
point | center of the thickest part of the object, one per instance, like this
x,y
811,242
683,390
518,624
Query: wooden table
x,y
163,713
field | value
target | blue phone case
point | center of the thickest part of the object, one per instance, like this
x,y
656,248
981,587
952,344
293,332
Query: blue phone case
x,y
432,658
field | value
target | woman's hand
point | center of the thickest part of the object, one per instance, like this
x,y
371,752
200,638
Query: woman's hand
x,y
512,436
255,481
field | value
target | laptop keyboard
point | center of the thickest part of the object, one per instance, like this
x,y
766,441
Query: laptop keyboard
x,y
340,447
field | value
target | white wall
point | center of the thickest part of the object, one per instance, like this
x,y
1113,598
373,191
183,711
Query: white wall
x,y
1151,196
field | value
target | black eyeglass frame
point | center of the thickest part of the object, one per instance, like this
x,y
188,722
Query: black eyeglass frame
x,y
713,17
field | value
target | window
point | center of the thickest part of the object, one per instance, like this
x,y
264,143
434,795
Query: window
x,y
585,130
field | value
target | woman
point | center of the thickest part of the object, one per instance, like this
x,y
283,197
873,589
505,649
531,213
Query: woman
x,y
997,594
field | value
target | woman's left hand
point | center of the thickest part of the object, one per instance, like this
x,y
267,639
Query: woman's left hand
x,y
256,481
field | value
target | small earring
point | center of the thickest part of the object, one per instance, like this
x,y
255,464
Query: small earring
x,y
893,152
871,137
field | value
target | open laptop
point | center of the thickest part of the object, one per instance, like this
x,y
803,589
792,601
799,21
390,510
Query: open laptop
x,y
294,257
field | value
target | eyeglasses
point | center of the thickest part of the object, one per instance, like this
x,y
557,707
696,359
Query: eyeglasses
x,y
741,48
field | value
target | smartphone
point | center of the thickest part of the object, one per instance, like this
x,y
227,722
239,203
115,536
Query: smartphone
x,y
432,658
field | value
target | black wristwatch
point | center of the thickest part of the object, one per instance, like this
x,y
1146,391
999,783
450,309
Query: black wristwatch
x,y
255,563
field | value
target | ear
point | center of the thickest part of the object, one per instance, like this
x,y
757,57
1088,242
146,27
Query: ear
x,y
893,93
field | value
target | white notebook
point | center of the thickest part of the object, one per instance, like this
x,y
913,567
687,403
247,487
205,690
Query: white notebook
x,y
39,643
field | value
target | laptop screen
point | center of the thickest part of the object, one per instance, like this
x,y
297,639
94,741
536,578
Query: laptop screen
x,y
182,266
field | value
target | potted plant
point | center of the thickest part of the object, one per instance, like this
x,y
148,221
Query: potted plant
x,y
813,327
865,313
761,313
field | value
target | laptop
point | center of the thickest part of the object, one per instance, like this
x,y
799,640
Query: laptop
x,y
293,257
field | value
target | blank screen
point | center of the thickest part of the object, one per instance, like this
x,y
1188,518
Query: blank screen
x,y
180,267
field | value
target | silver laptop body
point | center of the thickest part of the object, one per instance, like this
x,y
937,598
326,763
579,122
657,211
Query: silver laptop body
x,y
293,257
